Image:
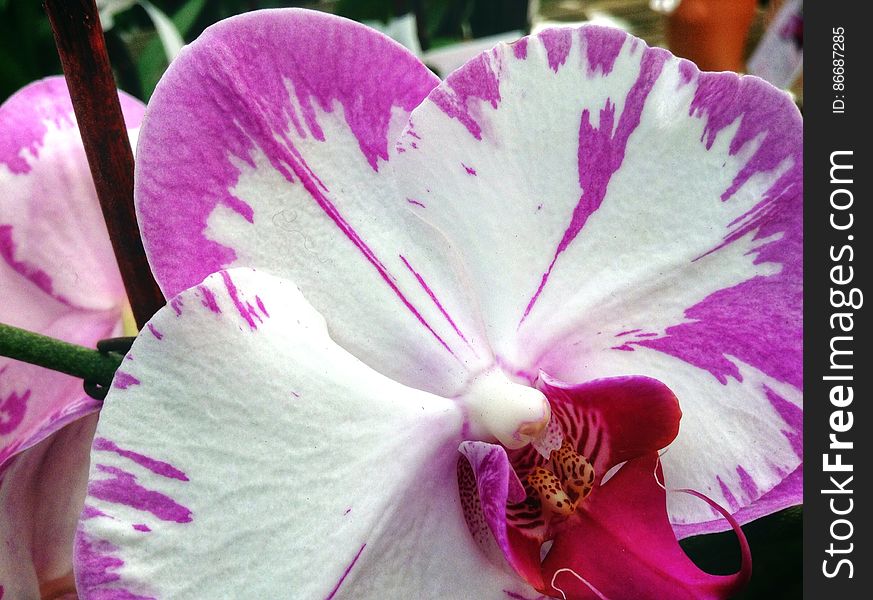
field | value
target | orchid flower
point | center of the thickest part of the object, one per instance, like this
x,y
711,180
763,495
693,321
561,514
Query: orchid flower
x,y
58,276
778,58
431,339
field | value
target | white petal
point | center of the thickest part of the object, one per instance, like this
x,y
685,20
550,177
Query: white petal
x,y
265,146
621,213
242,447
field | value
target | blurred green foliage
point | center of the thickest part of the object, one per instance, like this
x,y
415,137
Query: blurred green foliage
x,y
442,22
27,51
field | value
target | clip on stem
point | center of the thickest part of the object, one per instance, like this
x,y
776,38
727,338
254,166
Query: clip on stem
x,y
116,348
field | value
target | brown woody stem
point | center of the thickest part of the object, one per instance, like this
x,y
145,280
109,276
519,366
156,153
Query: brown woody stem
x,y
82,49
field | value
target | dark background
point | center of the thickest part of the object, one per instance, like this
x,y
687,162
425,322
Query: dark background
x,y
824,133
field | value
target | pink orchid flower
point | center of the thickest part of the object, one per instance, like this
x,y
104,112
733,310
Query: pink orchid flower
x,y
429,339
58,277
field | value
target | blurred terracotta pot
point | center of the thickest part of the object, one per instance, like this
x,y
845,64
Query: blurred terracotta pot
x,y
712,33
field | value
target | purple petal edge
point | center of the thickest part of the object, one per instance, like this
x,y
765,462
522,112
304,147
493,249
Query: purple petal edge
x,y
261,51
786,494
48,99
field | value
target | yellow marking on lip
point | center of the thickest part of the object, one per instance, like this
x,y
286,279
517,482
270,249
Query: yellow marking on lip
x,y
551,492
573,470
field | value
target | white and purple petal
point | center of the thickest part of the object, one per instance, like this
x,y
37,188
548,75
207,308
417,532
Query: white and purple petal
x,y
266,145
621,213
51,228
311,473
42,489
57,277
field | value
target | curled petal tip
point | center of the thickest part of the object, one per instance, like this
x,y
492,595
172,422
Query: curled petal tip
x,y
739,580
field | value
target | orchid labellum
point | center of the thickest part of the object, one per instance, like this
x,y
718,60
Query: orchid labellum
x,y
430,340
58,277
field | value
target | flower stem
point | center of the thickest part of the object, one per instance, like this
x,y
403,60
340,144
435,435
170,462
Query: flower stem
x,y
94,367
82,50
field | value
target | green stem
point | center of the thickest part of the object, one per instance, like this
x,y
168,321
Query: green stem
x,y
88,364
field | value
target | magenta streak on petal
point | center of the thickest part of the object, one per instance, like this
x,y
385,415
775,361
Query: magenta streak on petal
x,y
208,299
158,335
687,70
519,48
122,488
35,275
602,45
12,411
557,42
350,233
95,566
261,306
157,467
243,103
291,157
345,574
793,417
243,310
789,492
95,561
516,596
142,527
601,151
433,297
176,305
758,320
416,202
507,367
747,483
623,348
728,496
91,512
469,170
298,127
124,380
474,81
628,332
